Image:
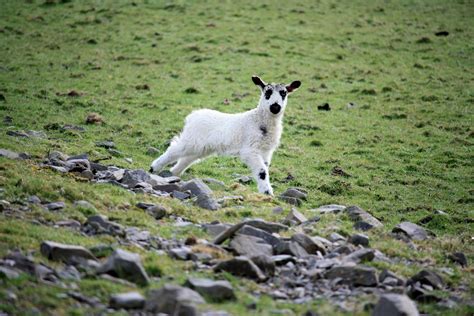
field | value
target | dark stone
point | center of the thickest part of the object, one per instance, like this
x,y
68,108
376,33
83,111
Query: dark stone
x,y
169,187
357,214
359,239
310,245
354,275
173,300
217,291
250,246
55,206
130,300
258,223
241,266
260,233
132,177
363,226
411,230
386,274
459,258
294,196
197,187
265,263
181,253
105,144
126,265
294,217
99,224
207,202
428,277
291,248
395,305
157,211
360,255
61,252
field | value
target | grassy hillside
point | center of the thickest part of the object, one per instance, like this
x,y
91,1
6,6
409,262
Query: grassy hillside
x,y
400,124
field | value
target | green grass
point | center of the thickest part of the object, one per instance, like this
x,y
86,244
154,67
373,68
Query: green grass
x,y
407,143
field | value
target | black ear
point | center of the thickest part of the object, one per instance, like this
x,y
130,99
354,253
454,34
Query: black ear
x,y
259,82
293,86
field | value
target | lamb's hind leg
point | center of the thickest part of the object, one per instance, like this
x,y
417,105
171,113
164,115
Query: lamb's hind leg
x,y
173,153
183,164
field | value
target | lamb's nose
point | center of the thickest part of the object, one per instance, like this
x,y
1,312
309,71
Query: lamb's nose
x,y
275,108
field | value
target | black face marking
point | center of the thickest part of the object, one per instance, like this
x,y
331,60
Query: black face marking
x,y
264,130
283,94
268,93
262,175
266,163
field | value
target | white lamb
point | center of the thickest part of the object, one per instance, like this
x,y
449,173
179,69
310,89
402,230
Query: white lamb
x,y
253,135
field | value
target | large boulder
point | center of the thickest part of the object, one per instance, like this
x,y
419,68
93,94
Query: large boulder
x,y
126,265
61,252
250,246
395,305
173,300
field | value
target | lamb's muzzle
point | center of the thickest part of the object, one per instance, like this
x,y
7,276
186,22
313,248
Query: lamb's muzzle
x,y
253,135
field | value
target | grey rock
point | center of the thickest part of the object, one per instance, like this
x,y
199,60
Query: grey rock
x,y
152,151
386,274
57,155
214,182
12,155
244,179
294,217
132,177
85,205
357,214
258,223
395,305
197,187
73,224
413,231
428,277
129,300
102,250
330,209
459,258
173,300
363,226
294,196
144,205
157,211
282,259
354,275
265,263
260,233
311,246
81,298
61,252
334,237
180,195
181,253
359,239
33,199
360,255
207,202
216,229
80,156
105,144
114,152
241,266
167,187
291,248
69,273
99,224
7,273
215,313
214,290
78,165
54,206
126,265
250,246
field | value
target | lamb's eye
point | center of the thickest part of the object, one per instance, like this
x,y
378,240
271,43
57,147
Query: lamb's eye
x,y
283,94
268,93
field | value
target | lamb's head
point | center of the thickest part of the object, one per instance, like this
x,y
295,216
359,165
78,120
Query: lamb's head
x,y
274,95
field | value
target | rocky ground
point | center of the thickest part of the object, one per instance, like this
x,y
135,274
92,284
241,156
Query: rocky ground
x,y
287,259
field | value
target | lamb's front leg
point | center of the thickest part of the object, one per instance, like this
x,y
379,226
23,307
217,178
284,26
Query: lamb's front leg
x,y
259,170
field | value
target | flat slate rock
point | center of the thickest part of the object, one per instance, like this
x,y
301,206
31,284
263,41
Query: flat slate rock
x,y
129,300
288,247
173,300
294,217
258,223
214,290
126,265
330,209
293,196
241,266
312,246
12,155
357,214
411,230
206,201
132,177
360,255
428,277
61,252
359,239
260,233
250,246
355,275
395,305
100,224
197,187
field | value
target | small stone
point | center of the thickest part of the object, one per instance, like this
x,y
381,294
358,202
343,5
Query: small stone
x,y
357,214
99,224
245,179
181,253
294,217
33,199
429,278
207,202
7,273
130,300
12,155
330,209
214,182
277,210
310,245
359,239
250,246
265,263
69,223
395,305
157,211
363,226
241,266
197,187
85,205
360,255
291,248
294,196
102,250
173,300
152,151
61,252
132,177
355,275
125,265
55,206
260,233
214,290
216,229
459,258
180,195
258,223
167,187
334,237
411,230
386,274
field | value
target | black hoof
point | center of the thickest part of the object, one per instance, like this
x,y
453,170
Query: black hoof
x,y
151,170
267,192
